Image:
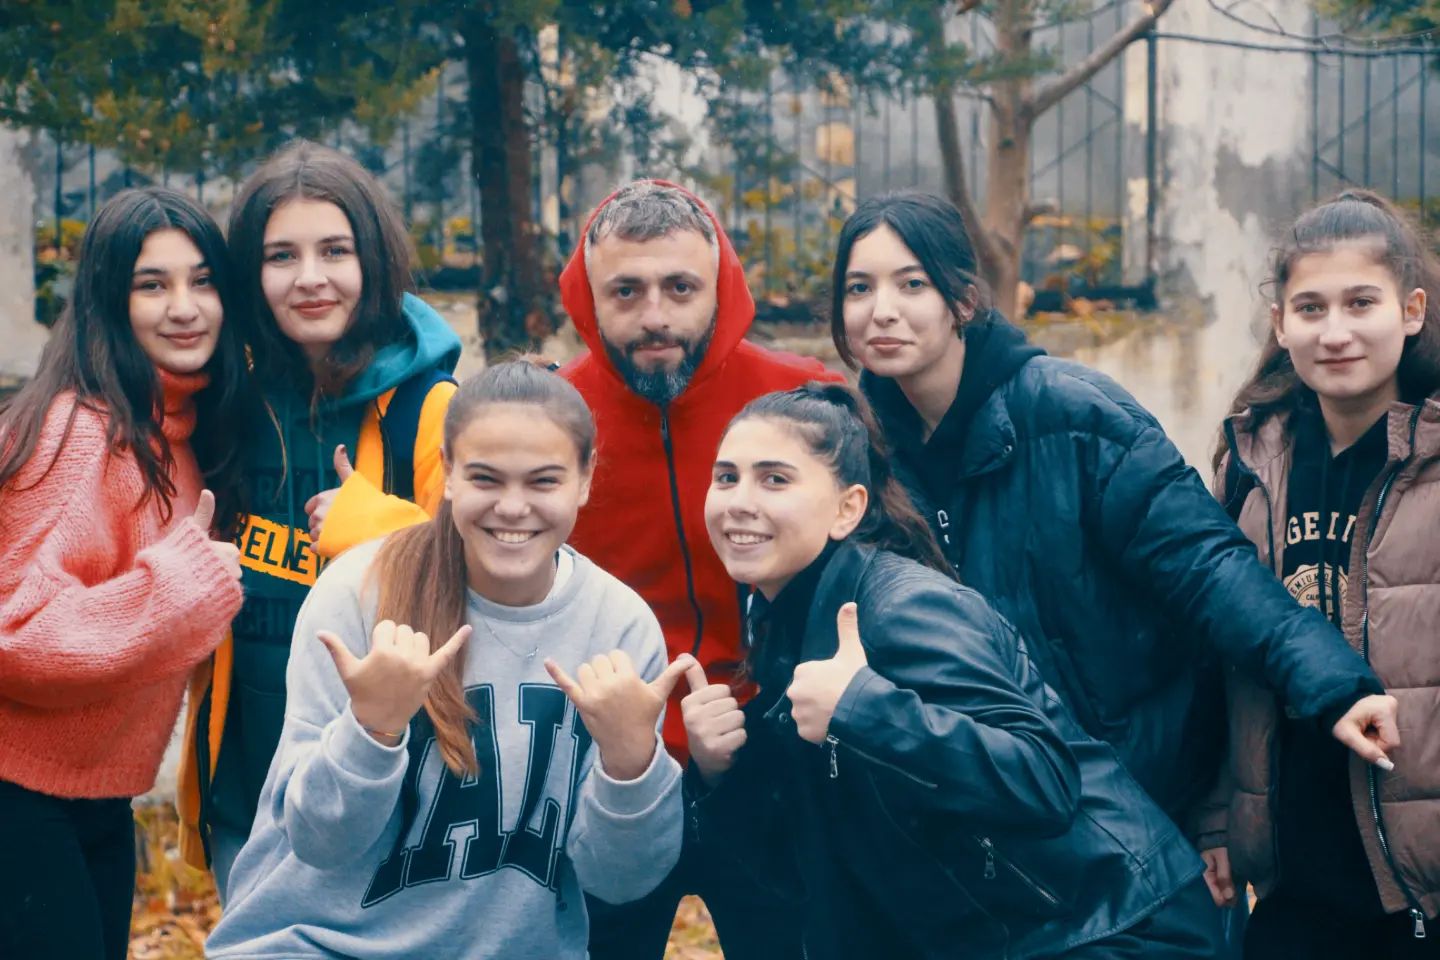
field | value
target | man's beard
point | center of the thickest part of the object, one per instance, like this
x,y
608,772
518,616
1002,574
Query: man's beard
x,y
659,386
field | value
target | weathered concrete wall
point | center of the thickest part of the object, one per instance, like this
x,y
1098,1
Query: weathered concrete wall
x,y
21,338
1234,170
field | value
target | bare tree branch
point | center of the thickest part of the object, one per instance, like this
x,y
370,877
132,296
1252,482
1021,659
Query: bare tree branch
x,y
1050,94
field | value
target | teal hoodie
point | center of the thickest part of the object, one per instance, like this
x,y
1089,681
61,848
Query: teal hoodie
x,y
290,462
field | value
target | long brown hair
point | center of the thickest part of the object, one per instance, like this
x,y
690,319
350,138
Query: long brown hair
x,y
835,422
1353,216
93,352
303,170
421,570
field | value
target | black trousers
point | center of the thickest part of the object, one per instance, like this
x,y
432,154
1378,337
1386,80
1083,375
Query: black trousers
x,y
67,876
751,924
1282,928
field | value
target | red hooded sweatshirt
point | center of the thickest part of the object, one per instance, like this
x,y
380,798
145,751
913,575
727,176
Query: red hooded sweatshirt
x,y
645,522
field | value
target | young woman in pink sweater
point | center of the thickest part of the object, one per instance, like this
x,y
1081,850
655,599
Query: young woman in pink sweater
x,y
111,588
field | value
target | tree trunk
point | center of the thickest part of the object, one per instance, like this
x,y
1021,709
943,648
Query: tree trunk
x,y
952,156
1008,185
511,310
1005,203
952,163
1014,107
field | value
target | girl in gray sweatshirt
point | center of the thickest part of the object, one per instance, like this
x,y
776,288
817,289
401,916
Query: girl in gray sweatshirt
x,y
470,735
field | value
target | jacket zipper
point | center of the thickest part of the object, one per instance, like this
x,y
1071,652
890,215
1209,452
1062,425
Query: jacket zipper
x,y
1372,778
680,529
834,744
992,856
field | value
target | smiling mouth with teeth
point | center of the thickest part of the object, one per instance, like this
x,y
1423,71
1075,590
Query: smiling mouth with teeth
x,y
513,536
746,539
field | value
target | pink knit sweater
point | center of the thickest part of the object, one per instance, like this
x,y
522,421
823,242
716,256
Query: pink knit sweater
x,y
104,609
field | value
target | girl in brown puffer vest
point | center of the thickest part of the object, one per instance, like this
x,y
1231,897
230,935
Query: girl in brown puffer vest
x,y
1331,464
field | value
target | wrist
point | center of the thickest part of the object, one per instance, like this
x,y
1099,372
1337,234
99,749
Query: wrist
x,y
626,761
710,773
384,726
383,737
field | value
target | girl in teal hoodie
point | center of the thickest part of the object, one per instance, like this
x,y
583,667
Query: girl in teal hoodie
x,y
348,362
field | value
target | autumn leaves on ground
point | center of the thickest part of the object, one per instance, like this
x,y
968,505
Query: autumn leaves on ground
x,y
175,906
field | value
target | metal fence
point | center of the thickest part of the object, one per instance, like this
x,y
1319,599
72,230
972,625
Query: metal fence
x,y
784,165
1372,125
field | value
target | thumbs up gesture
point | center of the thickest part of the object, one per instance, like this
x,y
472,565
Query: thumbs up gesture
x,y
619,708
714,724
204,518
318,506
389,684
817,685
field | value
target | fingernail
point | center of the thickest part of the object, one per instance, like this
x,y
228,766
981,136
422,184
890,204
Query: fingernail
x,y
1386,764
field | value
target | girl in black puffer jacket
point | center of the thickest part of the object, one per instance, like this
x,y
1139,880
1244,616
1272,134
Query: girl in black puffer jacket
x,y
1061,499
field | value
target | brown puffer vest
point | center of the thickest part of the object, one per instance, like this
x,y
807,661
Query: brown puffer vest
x,y
1393,619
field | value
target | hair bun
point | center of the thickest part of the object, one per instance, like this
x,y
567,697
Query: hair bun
x,y
1359,195
835,394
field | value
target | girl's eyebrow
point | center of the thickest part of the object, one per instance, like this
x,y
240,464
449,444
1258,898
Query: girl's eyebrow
x,y
482,465
159,272
757,465
287,242
1348,291
864,274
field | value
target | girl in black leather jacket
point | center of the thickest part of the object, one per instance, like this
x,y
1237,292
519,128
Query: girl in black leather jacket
x,y
903,769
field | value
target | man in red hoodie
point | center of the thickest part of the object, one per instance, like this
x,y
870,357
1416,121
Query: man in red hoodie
x,y
658,294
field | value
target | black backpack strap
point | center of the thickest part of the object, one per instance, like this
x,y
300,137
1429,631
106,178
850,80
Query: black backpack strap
x,y
400,426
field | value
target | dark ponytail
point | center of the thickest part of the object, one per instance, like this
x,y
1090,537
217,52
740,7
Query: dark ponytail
x,y
836,424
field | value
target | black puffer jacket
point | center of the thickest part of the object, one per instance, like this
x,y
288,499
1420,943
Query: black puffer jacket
x,y
956,810
1077,518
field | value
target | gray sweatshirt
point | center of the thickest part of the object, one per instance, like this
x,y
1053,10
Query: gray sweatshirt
x,y
363,850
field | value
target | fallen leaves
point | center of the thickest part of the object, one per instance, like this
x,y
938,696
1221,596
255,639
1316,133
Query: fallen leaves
x,y
175,906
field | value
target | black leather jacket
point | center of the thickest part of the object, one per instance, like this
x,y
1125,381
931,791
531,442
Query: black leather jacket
x,y
956,810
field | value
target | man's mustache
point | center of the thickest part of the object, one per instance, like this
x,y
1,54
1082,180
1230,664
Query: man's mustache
x,y
655,340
